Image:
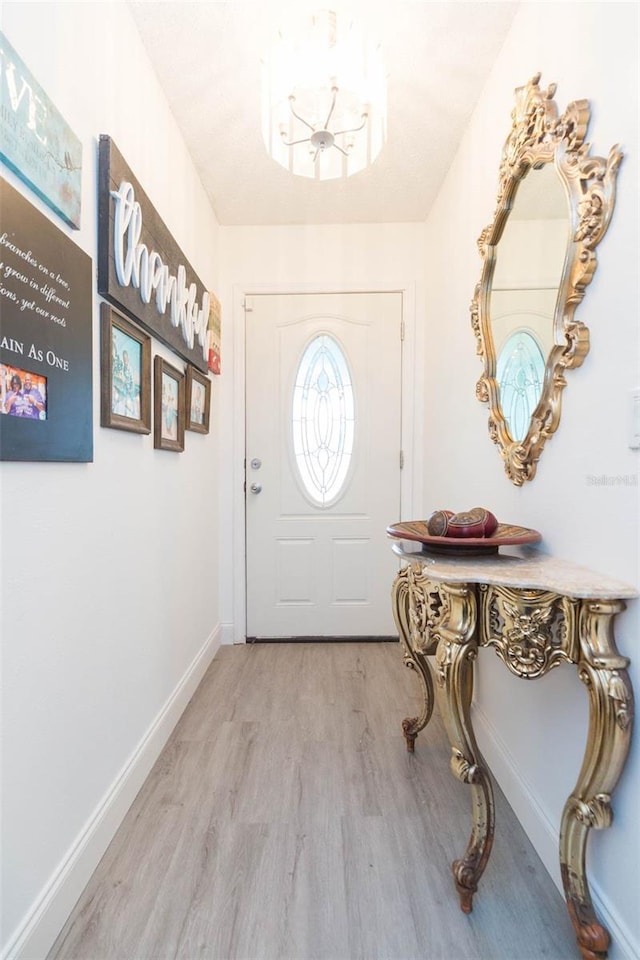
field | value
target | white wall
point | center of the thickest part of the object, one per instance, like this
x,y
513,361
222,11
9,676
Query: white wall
x,y
533,734
311,258
106,634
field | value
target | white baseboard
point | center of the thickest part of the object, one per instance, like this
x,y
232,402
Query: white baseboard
x,y
543,834
227,634
36,935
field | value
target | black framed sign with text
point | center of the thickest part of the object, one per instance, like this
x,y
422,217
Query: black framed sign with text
x,y
141,269
46,387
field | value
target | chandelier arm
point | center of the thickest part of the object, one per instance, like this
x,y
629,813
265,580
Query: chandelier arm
x,y
365,117
334,94
292,100
340,149
292,143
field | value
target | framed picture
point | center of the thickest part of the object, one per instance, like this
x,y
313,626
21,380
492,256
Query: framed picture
x,y
169,406
125,398
198,400
22,393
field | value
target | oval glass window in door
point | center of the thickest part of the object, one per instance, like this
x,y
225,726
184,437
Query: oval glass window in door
x,y
323,419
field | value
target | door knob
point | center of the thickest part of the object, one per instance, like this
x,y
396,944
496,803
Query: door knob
x,y
256,488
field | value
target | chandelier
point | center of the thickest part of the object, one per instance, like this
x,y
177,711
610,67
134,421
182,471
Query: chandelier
x,y
323,98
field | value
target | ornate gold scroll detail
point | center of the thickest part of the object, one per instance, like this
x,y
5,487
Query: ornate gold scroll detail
x,y
444,659
417,609
596,813
618,691
463,769
427,609
532,630
540,135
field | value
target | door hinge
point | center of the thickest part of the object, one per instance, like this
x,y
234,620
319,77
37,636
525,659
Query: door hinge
x,y
402,459
246,307
402,329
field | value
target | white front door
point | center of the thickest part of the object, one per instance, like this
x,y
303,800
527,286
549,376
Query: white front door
x,y
323,428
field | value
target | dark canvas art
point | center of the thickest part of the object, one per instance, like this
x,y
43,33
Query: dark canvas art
x,y
46,398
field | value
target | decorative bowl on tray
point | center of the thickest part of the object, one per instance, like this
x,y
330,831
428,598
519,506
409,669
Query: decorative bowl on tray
x,y
504,534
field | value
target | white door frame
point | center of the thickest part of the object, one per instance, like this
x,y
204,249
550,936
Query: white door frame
x,y
233,567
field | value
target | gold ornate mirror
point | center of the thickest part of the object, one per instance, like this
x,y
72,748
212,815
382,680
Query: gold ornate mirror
x,y
554,206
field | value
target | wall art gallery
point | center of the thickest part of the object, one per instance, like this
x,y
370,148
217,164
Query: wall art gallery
x,y
46,399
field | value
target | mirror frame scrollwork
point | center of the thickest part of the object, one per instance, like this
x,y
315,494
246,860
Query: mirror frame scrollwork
x,y
540,135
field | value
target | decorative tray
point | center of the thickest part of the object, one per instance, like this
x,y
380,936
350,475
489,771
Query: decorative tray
x,y
506,534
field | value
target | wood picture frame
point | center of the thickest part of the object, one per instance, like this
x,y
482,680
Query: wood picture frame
x,y
198,404
125,373
169,406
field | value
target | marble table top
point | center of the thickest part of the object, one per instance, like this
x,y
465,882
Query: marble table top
x,y
532,571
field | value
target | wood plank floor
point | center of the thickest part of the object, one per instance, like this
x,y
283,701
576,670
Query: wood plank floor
x,y
285,820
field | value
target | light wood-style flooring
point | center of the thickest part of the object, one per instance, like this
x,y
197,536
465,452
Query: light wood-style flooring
x,y
285,820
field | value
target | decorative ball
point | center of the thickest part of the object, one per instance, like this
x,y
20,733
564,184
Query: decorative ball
x,y
490,523
438,522
477,522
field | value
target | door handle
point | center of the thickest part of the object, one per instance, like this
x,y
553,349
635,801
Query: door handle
x,y
256,488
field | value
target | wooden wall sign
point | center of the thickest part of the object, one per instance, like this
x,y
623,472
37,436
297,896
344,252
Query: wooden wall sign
x,y
46,398
141,268
215,317
36,142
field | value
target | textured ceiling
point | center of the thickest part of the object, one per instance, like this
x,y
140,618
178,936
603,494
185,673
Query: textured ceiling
x,y
207,58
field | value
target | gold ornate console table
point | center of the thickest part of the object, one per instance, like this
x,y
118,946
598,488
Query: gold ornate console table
x,y
537,612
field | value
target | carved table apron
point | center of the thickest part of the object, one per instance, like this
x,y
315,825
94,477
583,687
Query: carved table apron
x,y
537,612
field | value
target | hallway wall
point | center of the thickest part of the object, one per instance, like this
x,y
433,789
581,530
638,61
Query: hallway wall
x,y
109,569
533,735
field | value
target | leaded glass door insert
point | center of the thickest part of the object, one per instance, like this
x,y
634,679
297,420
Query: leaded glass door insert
x,y
323,420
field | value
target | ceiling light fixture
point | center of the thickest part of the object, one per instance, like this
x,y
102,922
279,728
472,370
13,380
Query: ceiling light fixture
x,y
324,98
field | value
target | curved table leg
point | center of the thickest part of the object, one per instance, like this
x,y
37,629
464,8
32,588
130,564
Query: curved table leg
x,y
406,614
457,649
411,726
604,672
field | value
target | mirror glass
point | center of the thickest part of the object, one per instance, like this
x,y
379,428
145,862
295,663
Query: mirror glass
x,y
523,297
